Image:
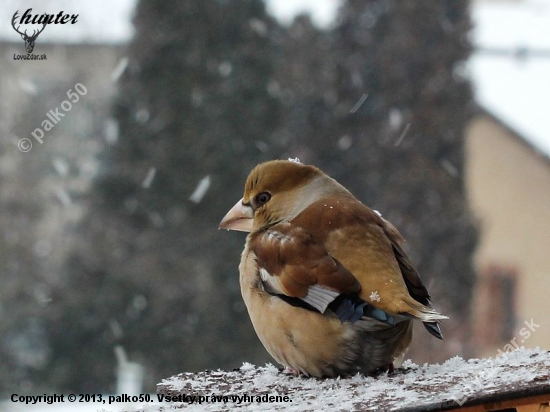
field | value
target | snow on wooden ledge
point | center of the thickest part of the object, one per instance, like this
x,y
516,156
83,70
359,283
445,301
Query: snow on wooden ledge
x,y
456,384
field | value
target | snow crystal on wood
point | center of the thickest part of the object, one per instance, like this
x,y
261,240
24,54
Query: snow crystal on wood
x,y
521,373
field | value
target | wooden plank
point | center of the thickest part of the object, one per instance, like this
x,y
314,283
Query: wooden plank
x,y
514,398
518,381
527,404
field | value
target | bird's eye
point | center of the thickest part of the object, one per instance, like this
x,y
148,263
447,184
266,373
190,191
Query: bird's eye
x,y
263,198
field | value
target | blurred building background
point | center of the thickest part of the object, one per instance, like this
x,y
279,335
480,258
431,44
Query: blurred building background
x,y
508,172
109,227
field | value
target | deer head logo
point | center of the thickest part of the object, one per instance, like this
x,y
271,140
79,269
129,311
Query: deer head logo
x,y
29,40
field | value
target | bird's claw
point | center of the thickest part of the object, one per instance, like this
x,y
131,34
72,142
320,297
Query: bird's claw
x,y
291,371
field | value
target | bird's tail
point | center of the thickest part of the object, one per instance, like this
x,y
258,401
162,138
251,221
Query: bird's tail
x,y
433,328
429,317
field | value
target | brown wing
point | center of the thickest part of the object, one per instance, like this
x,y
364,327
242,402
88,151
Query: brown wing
x,y
410,275
292,263
414,284
369,248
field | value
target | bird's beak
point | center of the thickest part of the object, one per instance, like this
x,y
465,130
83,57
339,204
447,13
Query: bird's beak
x,y
240,217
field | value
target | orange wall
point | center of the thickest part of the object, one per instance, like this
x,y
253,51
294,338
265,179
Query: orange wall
x,y
508,186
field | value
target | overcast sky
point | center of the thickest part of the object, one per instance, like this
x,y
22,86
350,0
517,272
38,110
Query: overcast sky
x,y
110,21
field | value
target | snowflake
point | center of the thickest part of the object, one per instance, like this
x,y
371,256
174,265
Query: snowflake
x,y
294,160
374,296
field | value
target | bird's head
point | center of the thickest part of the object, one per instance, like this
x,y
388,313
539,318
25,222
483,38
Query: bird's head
x,y
277,191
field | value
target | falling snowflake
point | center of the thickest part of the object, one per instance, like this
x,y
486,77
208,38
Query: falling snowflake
x,y
201,189
146,184
119,69
359,103
374,296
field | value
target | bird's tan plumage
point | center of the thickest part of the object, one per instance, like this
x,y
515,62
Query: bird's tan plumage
x,y
325,280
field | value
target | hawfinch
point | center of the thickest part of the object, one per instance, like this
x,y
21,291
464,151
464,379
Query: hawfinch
x,y
327,285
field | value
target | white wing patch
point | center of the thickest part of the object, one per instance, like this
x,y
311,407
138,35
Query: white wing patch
x,y
317,296
264,275
271,283
320,297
